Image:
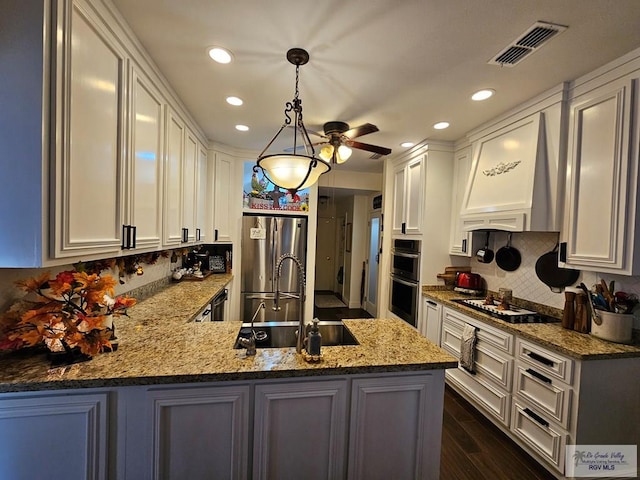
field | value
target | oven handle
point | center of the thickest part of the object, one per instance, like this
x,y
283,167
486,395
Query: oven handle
x,y
404,254
404,282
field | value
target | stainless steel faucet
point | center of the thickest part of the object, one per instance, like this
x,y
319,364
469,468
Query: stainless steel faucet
x,y
250,343
301,296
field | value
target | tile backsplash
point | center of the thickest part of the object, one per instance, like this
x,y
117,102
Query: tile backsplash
x,y
524,281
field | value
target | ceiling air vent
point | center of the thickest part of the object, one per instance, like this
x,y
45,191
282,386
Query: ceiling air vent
x,y
527,43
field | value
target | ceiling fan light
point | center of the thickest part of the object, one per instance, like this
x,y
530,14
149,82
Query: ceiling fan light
x,y
293,172
344,153
326,152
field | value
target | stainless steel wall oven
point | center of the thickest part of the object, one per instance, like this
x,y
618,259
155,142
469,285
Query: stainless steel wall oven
x,y
405,278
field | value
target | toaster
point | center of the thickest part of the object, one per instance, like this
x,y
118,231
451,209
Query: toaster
x,y
467,282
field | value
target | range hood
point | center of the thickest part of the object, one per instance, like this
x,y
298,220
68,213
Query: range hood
x,y
513,182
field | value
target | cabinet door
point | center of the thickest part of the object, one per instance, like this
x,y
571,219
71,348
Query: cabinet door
x,y
189,165
172,199
224,201
300,430
433,324
200,433
54,436
145,189
202,196
399,197
600,217
396,427
89,207
414,195
460,243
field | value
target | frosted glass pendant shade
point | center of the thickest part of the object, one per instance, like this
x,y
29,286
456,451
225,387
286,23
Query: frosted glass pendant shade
x,y
293,172
344,153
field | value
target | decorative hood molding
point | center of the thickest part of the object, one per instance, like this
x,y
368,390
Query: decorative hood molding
x,y
513,184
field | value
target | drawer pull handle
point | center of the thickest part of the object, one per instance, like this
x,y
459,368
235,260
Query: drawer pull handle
x,y
433,304
536,417
540,359
539,376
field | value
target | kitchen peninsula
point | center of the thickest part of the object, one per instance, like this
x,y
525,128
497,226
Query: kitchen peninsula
x,y
177,399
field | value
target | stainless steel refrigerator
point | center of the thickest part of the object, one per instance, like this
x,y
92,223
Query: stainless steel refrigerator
x,y
264,239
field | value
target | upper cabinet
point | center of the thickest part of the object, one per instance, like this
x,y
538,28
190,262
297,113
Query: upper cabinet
x,y
601,225
407,197
516,177
89,150
145,171
173,232
460,243
223,203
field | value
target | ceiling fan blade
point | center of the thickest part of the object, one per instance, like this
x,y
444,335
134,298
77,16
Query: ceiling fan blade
x,y
310,132
361,130
368,147
301,147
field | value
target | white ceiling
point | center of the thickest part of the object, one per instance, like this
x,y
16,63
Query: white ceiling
x,y
402,65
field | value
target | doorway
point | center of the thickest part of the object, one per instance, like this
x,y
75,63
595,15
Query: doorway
x,y
325,277
372,264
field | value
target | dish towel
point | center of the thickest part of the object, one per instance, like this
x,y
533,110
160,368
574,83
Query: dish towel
x,y
468,348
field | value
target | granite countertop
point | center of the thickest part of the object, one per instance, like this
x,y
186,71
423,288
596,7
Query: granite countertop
x,y
550,335
158,344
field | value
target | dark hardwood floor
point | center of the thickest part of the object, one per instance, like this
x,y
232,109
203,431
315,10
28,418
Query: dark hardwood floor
x,y
338,313
473,448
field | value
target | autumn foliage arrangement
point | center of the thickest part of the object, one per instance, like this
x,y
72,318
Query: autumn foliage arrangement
x,y
72,311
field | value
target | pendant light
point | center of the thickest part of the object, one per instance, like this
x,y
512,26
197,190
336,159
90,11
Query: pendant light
x,y
294,171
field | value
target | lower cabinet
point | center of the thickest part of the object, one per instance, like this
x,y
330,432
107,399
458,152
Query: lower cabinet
x,y
300,430
396,427
199,433
57,436
360,427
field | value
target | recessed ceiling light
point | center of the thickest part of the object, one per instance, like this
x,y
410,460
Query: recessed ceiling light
x,y
220,55
235,101
483,94
407,144
441,125
242,128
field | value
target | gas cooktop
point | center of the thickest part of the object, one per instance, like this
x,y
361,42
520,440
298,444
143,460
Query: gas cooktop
x,y
512,315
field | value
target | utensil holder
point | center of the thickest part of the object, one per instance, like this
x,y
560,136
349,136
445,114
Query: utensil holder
x,y
615,327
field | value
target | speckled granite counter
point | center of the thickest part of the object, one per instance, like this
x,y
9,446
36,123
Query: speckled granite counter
x,y
158,345
550,335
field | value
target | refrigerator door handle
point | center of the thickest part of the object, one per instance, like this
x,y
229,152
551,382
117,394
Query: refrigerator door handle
x,y
274,233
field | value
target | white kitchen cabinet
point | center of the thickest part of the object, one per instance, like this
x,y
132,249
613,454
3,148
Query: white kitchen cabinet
x,y
89,161
396,427
189,186
408,186
224,202
54,436
601,224
199,433
430,322
460,243
300,427
173,233
203,196
144,208
490,386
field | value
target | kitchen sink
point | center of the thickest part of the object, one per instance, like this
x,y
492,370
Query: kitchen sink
x,y
283,334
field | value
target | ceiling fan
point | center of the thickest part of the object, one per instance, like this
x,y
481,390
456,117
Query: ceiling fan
x,y
339,141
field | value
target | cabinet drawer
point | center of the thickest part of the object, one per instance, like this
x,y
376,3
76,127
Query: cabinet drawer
x,y
487,396
545,361
537,433
551,397
486,334
490,362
